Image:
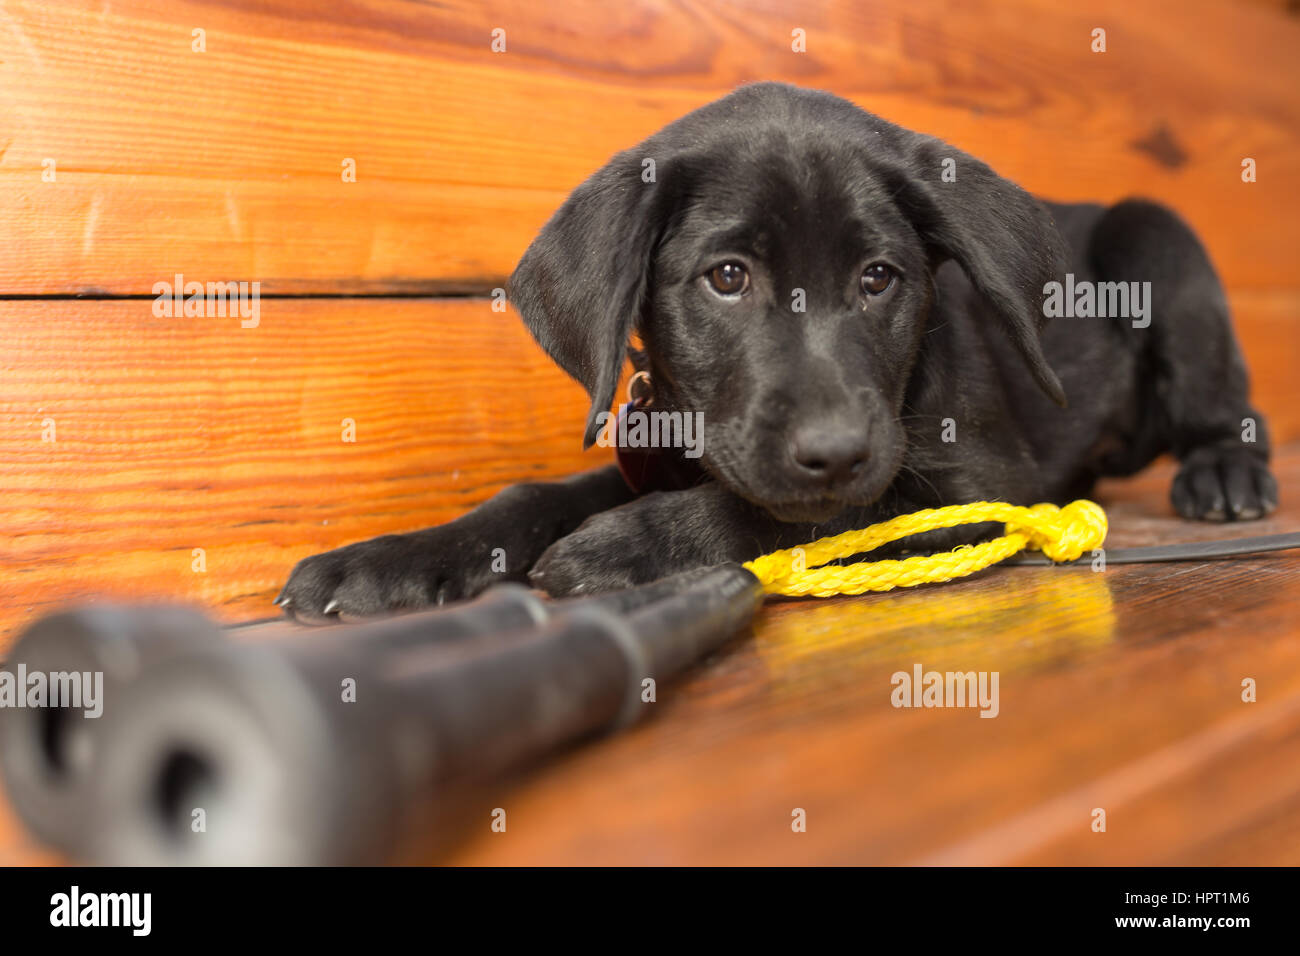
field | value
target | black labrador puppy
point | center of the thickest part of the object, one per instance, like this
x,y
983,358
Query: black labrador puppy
x,y
857,315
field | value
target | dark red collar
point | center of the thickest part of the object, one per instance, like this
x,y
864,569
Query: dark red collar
x,y
652,469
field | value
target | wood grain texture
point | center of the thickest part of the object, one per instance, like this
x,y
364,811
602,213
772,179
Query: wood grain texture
x,y
195,433
1118,689
226,164
175,434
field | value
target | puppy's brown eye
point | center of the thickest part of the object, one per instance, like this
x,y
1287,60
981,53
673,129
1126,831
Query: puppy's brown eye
x,y
877,278
730,278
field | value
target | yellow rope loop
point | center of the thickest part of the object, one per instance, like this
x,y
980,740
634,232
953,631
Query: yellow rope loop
x,y
1062,534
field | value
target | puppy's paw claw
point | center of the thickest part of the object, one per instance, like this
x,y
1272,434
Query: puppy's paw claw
x,y
1224,484
579,564
363,580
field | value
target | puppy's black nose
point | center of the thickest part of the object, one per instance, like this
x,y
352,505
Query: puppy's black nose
x,y
831,454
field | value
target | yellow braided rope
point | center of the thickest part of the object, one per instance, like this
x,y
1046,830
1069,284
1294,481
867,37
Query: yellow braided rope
x,y
1062,534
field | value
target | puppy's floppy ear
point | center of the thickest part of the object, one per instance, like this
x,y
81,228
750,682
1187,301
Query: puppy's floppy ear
x,y
583,283
1004,239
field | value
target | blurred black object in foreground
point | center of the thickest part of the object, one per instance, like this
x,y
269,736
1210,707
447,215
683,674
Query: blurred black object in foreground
x,y
351,744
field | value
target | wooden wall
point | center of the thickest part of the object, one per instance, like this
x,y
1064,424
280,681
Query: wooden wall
x,y
176,434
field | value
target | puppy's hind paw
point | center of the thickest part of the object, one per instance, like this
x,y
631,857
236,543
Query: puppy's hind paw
x,y
1224,484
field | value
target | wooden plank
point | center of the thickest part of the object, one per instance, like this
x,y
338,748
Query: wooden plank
x,y
1119,689
196,433
1268,330
226,164
174,434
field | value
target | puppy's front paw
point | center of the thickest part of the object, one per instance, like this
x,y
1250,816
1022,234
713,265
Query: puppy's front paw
x,y
601,555
371,578
1224,484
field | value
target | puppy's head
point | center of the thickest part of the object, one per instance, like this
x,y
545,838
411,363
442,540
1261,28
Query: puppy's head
x,y
775,251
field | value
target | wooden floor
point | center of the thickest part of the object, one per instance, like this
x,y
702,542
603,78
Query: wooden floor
x,y
1119,690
